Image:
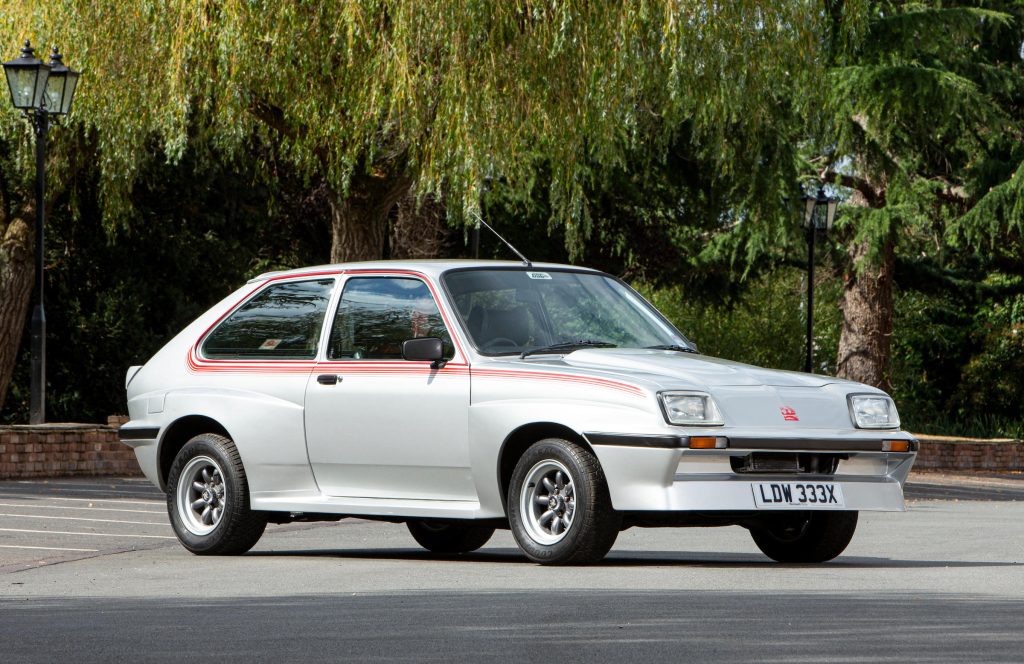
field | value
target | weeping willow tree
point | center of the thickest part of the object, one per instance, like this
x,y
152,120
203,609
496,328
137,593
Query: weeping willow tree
x,y
377,98
922,128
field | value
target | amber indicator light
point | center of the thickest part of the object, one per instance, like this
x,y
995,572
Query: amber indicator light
x,y
703,442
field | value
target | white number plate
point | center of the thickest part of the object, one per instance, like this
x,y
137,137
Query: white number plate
x,y
776,495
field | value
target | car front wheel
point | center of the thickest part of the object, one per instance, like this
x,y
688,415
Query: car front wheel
x,y
208,498
805,537
559,508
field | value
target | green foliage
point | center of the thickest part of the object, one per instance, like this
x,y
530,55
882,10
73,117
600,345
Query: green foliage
x,y
915,116
458,92
766,326
993,381
931,342
998,218
926,112
959,357
658,139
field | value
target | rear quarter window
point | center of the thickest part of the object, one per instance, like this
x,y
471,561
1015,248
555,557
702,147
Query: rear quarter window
x,y
281,322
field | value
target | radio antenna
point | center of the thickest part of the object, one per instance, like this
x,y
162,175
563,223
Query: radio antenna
x,y
479,219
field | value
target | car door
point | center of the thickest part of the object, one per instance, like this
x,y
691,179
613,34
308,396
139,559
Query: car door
x,y
378,426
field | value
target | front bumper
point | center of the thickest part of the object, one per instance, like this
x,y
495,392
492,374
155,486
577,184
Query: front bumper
x,y
644,476
143,439
731,493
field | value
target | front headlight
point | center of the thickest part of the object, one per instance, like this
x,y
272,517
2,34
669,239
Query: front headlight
x,y
693,408
873,411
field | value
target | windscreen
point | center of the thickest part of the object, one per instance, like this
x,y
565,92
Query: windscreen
x,y
515,311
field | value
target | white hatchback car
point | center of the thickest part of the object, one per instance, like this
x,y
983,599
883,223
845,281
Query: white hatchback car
x,y
463,396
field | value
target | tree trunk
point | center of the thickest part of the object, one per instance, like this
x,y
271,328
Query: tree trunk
x,y
865,344
17,271
418,231
359,221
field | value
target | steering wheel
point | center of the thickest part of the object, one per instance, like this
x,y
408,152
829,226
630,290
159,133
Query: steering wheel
x,y
500,342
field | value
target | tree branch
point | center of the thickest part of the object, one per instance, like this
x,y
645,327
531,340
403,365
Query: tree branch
x,y
951,193
5,200
5,192
874,198
273,117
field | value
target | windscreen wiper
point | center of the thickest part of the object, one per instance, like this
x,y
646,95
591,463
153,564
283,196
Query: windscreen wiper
x,y
681,349
568,345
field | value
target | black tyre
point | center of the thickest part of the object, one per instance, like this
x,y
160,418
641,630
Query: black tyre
x,y
449,538
208,498
558,505
805,537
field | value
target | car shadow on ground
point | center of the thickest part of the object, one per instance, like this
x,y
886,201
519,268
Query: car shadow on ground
x,y
627,559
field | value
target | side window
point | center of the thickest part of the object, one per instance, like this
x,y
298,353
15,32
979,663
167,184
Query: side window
x,y
283,322
376,314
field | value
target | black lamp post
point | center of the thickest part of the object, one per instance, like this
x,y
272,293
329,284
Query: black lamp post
x,y
40,90
819,213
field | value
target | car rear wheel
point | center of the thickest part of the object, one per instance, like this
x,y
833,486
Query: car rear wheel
x,y
805,537
558,504
208,498
449,538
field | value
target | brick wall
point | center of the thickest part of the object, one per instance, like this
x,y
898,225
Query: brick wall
x,y
63,450
946,453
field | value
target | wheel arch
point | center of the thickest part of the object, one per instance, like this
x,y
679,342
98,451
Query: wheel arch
x,y
520,439
179,432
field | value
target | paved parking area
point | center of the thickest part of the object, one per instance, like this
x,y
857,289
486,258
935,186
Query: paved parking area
x,y
48,521
43,522
941,582
967,485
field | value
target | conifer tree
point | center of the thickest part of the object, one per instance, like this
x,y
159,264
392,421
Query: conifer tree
x,y
922,126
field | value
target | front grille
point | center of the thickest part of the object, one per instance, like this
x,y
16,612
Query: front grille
x,y
784,463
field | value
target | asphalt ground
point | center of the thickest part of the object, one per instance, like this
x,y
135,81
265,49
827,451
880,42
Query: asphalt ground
x,y
104,580
44,521
59,520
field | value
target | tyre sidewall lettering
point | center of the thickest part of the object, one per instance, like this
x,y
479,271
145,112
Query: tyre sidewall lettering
x,y
594,525
238,528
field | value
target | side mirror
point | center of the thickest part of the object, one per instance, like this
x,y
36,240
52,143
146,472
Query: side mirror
x,y
424,349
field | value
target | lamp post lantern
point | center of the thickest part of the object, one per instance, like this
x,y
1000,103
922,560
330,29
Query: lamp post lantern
x,y
819,213
40,90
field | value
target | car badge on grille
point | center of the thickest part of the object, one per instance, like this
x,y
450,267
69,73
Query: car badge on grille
x,y
789,414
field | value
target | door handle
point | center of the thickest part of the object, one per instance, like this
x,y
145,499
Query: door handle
x,y
328,379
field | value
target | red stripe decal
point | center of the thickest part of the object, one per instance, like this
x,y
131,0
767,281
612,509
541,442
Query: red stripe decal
x,y
594,381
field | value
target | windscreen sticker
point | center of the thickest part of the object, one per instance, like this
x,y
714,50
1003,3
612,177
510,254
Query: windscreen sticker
x,y
538,275
270,344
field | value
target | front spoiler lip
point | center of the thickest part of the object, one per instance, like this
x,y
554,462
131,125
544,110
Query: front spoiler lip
x,y
750,443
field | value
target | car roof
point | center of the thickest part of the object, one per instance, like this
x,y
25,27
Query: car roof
x,y
430,267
